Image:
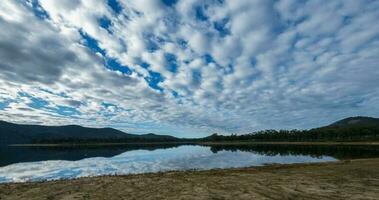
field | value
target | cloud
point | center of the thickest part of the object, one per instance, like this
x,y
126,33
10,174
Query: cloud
x,y
189,68
19,51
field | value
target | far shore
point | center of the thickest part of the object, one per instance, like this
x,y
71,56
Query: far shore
x,y
350,179
288,143
194,143
98,144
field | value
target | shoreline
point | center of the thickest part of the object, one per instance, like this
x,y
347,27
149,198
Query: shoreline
x,y
289,143
349,179
99,144
197,143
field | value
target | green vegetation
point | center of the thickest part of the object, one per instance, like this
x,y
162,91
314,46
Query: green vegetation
x,y
73,140
354,129
11,133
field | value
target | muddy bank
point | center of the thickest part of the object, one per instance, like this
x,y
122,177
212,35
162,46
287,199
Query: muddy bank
x,y
355,179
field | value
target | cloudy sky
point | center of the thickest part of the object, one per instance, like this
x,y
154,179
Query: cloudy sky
x,y
188,67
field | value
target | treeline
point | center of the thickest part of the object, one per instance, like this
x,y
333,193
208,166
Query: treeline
x,y
347,130
339,134
103,140
335,134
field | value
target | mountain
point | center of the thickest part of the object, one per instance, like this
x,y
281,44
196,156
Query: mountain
x,y
11,133
348,129
352,129
155,136
355,121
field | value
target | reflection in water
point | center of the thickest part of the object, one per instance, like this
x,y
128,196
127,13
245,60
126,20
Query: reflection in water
x,y
13,154
337,151
68,162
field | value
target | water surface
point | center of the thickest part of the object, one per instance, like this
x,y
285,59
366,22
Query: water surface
x,y
20,164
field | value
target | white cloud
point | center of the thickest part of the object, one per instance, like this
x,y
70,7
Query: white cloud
x,y
239,65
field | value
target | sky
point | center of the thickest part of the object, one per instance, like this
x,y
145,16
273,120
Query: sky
x,y
188,68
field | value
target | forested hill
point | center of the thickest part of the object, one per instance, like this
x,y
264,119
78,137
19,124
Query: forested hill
x,y
349,129
354,122
11,133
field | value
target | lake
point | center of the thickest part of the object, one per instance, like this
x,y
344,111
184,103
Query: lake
x,y
20,164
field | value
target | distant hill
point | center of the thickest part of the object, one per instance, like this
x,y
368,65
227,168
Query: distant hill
x,y
351,124
355,121
346,130
349,129
11,133
156,136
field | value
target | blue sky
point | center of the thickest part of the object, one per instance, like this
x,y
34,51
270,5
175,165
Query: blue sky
x,y
188,67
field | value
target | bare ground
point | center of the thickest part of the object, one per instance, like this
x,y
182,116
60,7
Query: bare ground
x,y
356,179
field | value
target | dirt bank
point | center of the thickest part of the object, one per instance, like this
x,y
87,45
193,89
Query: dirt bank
x,y
356,179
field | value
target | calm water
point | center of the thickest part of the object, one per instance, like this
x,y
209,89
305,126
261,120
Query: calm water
x,y
19,164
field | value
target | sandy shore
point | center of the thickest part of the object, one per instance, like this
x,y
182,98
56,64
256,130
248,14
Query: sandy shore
x,y
356,179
